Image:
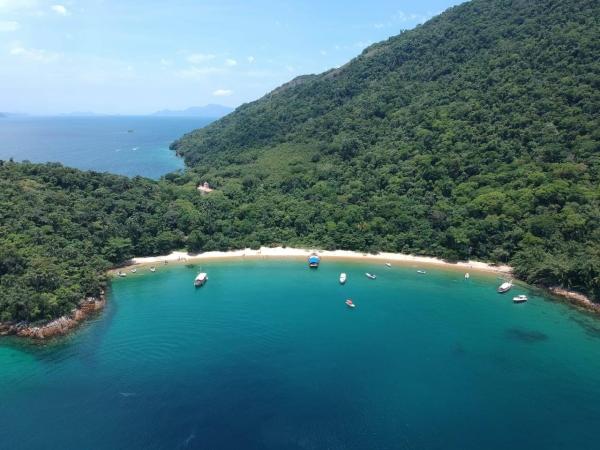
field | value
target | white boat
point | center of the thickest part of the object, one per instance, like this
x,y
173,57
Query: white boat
x,y
200,279
520,298
122,274
343,278
505,287
388,264
133,270
152,269
370,275
422,272
349,303
467,276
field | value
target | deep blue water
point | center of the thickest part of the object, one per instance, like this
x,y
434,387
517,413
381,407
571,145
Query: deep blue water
x,y
103,144
267,356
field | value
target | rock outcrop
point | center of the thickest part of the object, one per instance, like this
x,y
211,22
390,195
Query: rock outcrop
x,y
576,298
57,327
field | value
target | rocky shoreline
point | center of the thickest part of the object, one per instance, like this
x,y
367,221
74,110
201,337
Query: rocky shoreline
x,y
575,298
57,327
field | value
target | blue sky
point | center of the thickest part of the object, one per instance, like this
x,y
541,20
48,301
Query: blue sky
x,y
135,57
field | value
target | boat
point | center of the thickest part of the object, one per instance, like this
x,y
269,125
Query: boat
x,y
505,287
520,298
200,279
133,270
422,272
350,303
343,278
370,275
388,264
122,274
313,261
152,269
467,276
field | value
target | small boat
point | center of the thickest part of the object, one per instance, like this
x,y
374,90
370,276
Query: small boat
x,y
422,272
200,279
505,287
467,276
370,275
313,261
152,269
350,304
133,270
343,278
520,298
121,274
388,264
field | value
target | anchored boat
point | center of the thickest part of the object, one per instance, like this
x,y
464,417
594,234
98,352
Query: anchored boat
x,y
422,272
520,298
505,287
370,275
313,261
343,278
200,279
349,303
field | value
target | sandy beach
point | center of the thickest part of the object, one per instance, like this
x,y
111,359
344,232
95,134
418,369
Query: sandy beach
x,y
288,252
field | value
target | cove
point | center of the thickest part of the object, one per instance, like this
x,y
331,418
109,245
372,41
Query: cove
x,y
267,356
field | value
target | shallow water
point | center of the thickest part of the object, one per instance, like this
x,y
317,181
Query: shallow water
x,y
266,355
126,145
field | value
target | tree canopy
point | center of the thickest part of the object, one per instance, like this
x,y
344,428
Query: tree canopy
x,y
475,135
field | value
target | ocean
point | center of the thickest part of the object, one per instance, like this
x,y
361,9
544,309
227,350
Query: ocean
x,y
126,145
266,355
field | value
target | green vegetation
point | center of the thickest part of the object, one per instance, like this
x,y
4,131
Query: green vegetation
x,y
476,135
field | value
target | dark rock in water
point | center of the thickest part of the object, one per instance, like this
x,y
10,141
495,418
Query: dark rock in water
x,y
523,335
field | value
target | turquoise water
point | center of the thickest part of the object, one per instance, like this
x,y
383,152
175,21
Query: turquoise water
x,y
104,144
267,356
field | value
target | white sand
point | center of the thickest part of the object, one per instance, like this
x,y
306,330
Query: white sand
x,y
281,252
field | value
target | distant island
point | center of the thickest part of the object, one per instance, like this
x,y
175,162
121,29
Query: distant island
x,y
210,111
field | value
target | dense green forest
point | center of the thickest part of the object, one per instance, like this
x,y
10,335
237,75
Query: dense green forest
x,y
476,135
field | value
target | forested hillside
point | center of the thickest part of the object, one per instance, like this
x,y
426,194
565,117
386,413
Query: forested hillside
x,y
61,229
476,135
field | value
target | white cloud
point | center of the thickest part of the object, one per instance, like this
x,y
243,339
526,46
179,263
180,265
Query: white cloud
x,y
60,9
230,62
199,58
13,5
6,26
222,93
403,17
323,52
195,73
33,54
250,59
165,62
